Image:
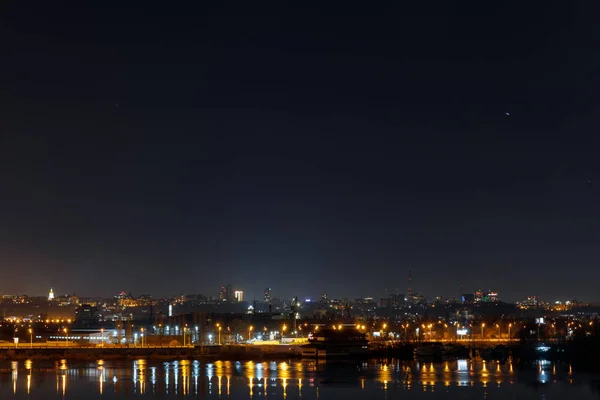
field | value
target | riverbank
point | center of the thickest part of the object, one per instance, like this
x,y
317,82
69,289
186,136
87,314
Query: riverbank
x,y
153,353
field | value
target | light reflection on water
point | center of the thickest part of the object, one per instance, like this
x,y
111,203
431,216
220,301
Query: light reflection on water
x,y
285,379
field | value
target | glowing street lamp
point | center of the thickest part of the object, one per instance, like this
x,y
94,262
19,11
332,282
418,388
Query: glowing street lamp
x,y
250,329
482,326
219,335
31,334
66,336
509,326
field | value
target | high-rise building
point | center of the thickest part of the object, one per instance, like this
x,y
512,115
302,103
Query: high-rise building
x,y
87,316
229,291
239,295
223,294
324,297
268,295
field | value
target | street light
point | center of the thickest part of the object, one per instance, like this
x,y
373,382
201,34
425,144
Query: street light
x,y
509,326
219,335
31,334
142,335
482,326
66,336
102,336
250,329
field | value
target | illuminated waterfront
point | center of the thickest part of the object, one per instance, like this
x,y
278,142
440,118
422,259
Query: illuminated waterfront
x,y
293,380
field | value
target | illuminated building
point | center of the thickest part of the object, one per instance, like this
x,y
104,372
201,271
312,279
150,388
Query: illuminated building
x,y
532,302
239,295
51,295
223,294
324,298
268,295
492,297
467,298
478,296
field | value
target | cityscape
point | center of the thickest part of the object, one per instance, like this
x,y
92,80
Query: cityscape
x,y
299,200
229,318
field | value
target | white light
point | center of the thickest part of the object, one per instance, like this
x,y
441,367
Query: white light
x,y
462,332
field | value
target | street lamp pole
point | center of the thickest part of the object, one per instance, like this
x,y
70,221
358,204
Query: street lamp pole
x,y
482,326
250,332
66,337
31,334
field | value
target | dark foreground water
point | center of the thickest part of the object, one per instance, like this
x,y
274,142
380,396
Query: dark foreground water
x,y
460,379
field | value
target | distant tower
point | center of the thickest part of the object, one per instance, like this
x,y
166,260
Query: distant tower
x,y
51,295
267,296
239,295
409,282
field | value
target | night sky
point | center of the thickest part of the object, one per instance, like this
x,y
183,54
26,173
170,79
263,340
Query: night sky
x,y
170,149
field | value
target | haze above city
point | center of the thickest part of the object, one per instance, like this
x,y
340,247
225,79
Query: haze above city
x,y
172,149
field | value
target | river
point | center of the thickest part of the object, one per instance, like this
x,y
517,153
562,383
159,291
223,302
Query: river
x,y
461,379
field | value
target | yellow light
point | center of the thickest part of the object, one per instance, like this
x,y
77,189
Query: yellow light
x,y
483,325
251,328
340,326
384,326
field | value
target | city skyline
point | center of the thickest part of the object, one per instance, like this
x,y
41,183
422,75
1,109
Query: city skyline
x,y
239,293
178,148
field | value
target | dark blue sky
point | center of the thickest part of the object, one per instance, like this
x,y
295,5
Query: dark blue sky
x,y
173,149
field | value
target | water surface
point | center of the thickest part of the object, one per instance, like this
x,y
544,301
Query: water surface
x,y
143,379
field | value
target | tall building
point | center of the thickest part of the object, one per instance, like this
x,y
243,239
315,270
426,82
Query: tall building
x,y
324,297
223,294
229,291
268,295
239,295
87,316
51,295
